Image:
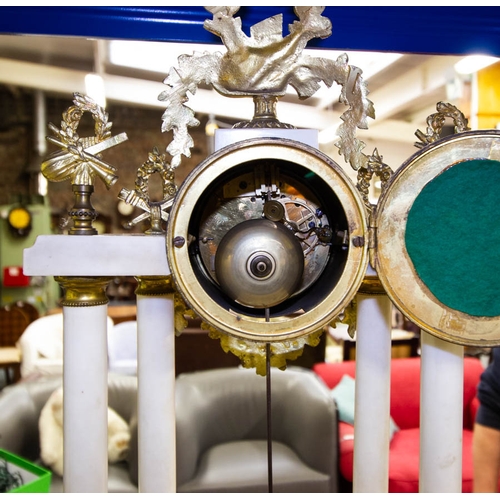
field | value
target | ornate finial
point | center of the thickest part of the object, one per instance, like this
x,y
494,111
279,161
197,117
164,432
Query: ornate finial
x,y
436,121
79,159
156,211
266,62
261,66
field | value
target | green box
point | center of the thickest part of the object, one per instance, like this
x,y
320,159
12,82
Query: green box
x,y
36,479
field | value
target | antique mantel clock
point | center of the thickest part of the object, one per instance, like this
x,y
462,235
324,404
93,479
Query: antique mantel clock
x,y
269,241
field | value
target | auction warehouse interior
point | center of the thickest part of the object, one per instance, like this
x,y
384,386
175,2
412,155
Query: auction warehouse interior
x,y
249,249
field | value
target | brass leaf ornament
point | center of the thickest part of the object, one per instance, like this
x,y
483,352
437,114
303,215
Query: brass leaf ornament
x,y
79,159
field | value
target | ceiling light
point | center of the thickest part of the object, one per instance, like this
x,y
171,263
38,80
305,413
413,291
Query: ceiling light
x,y
158,57
473,63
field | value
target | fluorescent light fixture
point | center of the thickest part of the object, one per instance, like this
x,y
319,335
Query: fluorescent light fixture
x,y
158,57
94,88
473,63
370,63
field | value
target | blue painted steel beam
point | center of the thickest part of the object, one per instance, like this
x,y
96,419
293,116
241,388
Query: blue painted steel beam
x,y
432,30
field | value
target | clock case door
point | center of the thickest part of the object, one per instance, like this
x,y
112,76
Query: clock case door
x,y
437,238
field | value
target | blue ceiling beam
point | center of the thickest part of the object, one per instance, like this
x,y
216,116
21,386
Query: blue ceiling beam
x,y
431,30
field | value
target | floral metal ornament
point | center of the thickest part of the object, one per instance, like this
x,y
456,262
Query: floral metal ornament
x,y
156,211
262,66
253,354
79,159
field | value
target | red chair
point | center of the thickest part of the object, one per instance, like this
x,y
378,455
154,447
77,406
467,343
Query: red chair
x,y
405,411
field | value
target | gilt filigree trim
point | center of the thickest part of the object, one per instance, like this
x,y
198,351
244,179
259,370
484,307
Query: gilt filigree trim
x,y
374,166
253,354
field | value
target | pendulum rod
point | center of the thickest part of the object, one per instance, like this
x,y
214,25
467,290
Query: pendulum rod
x,y
269,419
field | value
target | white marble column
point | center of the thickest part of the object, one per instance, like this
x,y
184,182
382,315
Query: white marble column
x,y
372,397
441,415
156,391
72,258
85,400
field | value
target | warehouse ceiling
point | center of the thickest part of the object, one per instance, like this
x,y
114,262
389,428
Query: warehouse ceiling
x,y
404,86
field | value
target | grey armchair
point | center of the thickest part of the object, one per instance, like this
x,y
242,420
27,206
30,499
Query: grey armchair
x,y
222,432
20,408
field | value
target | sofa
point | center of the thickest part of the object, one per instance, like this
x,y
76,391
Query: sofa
x,y
405,413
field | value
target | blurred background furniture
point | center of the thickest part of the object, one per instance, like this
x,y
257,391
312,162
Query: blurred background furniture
x,y
122,348
405,411
29,310
20,408
14,318
41,346
221,430
404,342
221,436
195,350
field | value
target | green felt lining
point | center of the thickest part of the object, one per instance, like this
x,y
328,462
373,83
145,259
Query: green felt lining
x,y
453,237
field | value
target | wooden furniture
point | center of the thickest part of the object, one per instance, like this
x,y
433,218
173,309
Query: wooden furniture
x,y
404,344
14,318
